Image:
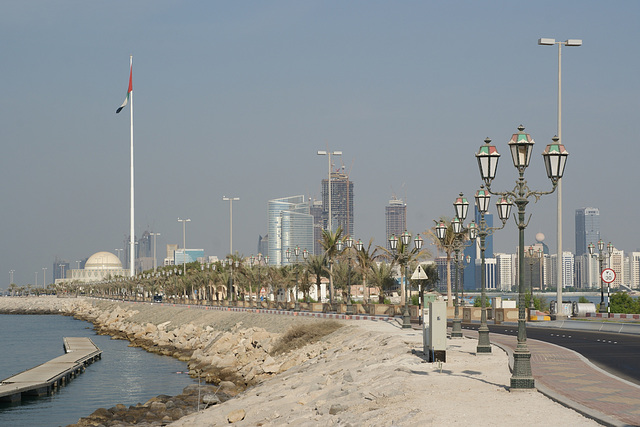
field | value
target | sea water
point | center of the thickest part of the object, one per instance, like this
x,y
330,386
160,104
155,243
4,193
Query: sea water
x,y
124,375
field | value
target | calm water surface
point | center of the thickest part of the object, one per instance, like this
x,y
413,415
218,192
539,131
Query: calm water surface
x,y
124,375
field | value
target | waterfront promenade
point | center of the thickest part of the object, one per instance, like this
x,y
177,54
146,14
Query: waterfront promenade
x,y
47,377
372,372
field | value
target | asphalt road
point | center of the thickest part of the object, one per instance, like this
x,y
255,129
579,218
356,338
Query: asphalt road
x,y
616,353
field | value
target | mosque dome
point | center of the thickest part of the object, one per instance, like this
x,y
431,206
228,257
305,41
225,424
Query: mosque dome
x,y
103,261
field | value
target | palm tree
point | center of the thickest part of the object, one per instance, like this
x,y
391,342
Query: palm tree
x,y
341,272
446,246
366,258
328,242
403,257
316,266
381,278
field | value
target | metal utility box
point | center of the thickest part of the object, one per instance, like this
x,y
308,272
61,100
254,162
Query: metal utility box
x,y
427,299
437,334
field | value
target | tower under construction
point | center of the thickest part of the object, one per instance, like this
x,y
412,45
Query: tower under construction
x,y
341,203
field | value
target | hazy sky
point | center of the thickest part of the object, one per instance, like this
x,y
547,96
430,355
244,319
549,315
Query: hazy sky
x,y
235,98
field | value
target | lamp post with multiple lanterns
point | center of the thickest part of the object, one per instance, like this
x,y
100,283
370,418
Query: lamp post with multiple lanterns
x,y
504,210
296,303
404,265
555,157
461,206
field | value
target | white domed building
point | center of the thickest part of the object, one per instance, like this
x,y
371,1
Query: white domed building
x,y
100,266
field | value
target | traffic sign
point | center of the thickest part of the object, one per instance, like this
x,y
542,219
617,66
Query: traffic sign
x,y
608,275
419,274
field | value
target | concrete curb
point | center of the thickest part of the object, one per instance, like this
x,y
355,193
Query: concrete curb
x,y
595,415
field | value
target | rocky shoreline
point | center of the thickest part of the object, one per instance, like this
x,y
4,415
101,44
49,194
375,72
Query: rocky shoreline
x,y
226,349
366,373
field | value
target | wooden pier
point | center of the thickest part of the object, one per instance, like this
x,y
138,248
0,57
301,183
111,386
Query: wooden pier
x,y
46,378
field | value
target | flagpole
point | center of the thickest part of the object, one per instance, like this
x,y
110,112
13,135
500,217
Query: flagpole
x,y
132,245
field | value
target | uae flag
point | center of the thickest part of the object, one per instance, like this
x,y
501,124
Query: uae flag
x,y
126,100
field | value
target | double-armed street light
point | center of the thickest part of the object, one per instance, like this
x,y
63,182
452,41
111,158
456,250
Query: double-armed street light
x,y
570,43
184,244
555,157
601,255
230,200
504,211
329,154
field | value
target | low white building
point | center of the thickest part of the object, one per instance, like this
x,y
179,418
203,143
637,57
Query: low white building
x,y
100,266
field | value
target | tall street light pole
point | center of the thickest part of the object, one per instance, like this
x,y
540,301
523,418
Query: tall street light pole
x,y
504,211
155,259
184,244
559,275
230,200
329,154
555,157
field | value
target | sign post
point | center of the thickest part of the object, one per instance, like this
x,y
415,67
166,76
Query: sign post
x,y
608,276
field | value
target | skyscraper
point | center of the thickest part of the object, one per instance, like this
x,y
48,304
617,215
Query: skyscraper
x,y
318,225
395,218
473,270
341,203
290,225
587,229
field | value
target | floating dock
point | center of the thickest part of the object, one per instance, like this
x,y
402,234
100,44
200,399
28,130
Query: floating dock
x,y
48,377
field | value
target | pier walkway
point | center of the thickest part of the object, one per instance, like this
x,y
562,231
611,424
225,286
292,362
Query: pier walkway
x,y
45,378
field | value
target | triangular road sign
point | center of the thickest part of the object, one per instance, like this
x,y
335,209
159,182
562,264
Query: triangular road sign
x,y
419,274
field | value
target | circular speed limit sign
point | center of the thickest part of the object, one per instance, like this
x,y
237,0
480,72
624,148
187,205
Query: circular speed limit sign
x,y
608,275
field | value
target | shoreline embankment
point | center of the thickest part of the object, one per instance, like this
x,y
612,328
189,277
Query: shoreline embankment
x,y
231,350
365,373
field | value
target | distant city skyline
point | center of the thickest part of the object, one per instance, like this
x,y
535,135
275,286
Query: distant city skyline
x,y
238,98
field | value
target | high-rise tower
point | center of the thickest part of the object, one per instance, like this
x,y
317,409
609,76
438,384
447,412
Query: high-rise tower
x,y
290,225
587,229
395,218
341,203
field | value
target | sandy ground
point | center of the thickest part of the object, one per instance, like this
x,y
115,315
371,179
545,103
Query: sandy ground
x,y
372,374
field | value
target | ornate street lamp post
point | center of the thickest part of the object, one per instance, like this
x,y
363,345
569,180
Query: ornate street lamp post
x,y
532,261
252,259
305,255
555,157
296,304
266,264
540,253
504,210
359,246
461,206
393,244
349,244
288,255
417,243
406,317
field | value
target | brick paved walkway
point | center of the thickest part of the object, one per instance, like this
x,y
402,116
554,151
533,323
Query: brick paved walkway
x,y
572,380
